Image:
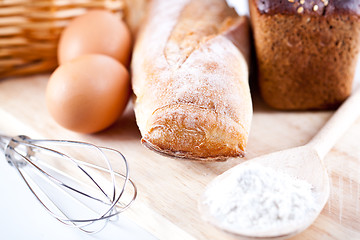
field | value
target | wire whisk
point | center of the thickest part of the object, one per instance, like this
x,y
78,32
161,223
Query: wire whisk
x,y
74,181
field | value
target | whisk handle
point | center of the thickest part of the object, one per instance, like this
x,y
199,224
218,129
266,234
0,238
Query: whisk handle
x,y
9,149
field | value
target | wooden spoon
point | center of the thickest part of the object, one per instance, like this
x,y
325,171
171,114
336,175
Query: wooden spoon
x,y
305,163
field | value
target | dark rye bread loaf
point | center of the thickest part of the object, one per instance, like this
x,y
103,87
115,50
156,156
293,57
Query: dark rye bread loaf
x,y
306,50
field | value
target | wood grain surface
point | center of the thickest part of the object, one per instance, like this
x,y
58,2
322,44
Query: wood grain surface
x,y
169,188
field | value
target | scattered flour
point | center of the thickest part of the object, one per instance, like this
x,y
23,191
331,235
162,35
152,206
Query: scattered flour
x,y
258,199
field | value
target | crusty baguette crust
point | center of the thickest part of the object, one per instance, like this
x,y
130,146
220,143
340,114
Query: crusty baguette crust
x,y
190,79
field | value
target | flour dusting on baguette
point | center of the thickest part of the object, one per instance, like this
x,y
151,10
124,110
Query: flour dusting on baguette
x,y
191,81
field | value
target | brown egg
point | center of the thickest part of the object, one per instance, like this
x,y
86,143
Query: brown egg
x,y
89,93
97,31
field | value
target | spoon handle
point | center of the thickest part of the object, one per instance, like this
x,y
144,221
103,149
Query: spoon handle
x,y
342,119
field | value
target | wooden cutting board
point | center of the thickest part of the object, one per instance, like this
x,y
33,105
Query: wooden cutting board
x,y
169,188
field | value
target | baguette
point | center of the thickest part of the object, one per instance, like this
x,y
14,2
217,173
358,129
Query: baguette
x,y
190,80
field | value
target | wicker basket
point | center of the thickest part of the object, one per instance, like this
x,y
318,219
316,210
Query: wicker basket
x,y
30,29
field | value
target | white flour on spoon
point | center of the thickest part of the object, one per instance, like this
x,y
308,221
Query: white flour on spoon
x,y
260,199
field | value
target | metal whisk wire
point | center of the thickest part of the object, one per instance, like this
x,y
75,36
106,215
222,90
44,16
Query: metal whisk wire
x,y
21,152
